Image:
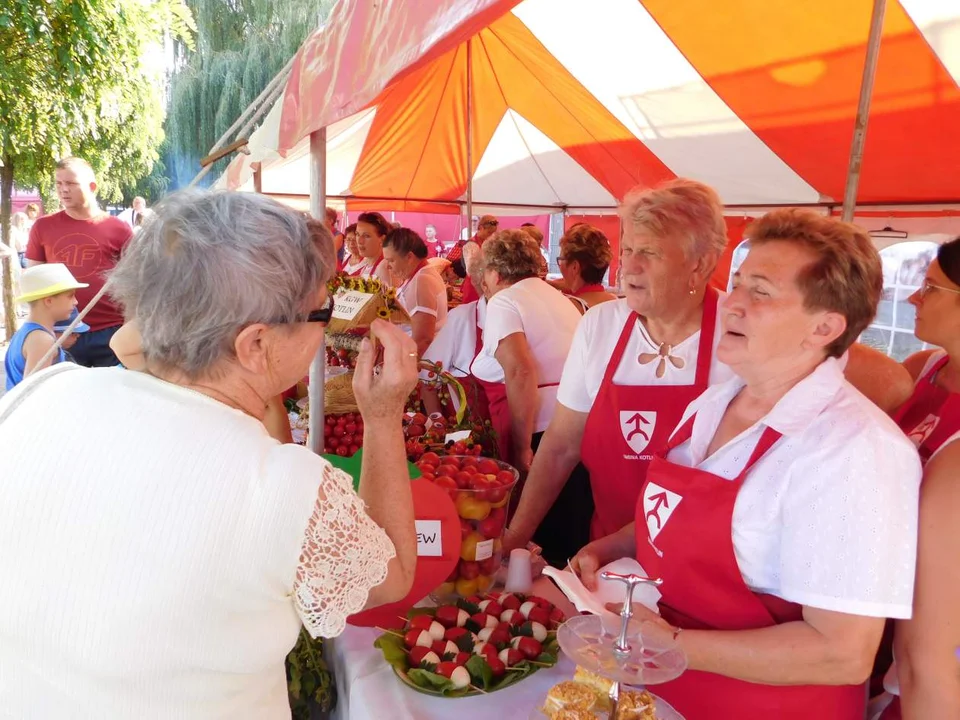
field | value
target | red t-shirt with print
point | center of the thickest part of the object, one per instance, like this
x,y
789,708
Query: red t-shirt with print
x,y
89,248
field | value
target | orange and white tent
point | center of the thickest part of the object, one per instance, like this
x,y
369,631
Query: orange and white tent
x,y
573,102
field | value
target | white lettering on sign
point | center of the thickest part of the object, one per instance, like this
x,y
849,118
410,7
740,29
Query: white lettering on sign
x,y
429,539
348,303
484,550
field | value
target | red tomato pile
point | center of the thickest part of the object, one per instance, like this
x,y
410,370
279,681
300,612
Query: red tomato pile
x,y
343,434
480,488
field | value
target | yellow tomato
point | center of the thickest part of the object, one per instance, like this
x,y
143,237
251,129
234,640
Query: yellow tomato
x,y
468,548
448,588
471,508
484,582
466,587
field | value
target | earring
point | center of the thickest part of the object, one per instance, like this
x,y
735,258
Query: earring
x,y
693,291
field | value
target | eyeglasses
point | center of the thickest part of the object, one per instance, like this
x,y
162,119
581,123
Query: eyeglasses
x,y
491,224
928,286
322,315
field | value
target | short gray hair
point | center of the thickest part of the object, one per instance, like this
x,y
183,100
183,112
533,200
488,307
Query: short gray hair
x,y
681,208
208,264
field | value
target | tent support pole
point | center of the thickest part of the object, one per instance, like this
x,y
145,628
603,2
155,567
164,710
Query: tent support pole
x,y
863,110
318,201
470,137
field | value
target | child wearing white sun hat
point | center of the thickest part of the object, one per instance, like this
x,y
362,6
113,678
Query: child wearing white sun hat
x,y
50,290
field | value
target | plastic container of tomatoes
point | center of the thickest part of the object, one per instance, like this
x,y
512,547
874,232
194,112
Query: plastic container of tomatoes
x,y
480,488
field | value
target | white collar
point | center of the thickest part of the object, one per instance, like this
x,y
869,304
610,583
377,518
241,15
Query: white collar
x,y
795,411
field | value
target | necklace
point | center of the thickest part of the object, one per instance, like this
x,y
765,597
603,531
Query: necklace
x,y
663,354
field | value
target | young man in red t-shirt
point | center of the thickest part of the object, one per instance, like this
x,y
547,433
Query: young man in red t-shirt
x,y
89,242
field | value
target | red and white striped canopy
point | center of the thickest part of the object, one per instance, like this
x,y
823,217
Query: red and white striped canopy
x,y
574,102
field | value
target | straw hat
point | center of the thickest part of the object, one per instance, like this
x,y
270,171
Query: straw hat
x,y
42,281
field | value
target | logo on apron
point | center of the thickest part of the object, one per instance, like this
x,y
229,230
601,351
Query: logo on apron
x,y
918,436
637,428
658,505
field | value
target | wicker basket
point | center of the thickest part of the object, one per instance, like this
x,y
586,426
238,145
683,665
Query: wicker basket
x,y
338,397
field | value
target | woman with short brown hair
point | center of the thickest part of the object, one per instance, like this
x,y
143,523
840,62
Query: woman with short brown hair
x,y
584,260
782,513
526,336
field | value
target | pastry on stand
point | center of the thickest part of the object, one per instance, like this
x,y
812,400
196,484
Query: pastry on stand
x,y
610,658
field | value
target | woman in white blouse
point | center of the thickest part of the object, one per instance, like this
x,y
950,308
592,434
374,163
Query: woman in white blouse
x,y
372,229
527,333
421,291
354,262
782,515
161,550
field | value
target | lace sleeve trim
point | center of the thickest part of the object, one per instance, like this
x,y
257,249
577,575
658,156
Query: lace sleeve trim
x,y
344,555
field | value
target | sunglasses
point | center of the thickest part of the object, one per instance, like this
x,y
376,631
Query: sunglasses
x,y
322,315
928,286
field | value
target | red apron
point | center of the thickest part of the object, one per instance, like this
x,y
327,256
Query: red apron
x,y
931,415
628,422
372,268
929,418
355,273
496,393
684,535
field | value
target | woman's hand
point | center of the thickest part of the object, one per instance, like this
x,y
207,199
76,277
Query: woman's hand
x,y
382,391
595,555
654,627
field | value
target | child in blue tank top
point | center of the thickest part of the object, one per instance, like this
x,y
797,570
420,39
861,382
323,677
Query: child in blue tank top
x,y
50,290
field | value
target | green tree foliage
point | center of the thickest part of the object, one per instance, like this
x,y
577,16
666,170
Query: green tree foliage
x,y
241,45
82,77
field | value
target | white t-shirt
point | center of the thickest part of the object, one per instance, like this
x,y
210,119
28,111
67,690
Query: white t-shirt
x,y
381,273
425,293
549,322
456,345
354,263
596,339
152,552
828,517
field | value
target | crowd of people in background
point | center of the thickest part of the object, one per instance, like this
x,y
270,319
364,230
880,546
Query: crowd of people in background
x,y
792,487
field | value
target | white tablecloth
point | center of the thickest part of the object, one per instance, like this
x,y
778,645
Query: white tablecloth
x,y
368,689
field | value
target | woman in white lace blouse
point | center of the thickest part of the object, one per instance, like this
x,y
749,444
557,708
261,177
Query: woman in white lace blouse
x,y
159,549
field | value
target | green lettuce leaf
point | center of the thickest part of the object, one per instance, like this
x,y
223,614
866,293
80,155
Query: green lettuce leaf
x,y
480,673
393,651
438,683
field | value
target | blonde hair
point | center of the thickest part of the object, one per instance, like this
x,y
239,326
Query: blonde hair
x,y
846,275
681,208
513,254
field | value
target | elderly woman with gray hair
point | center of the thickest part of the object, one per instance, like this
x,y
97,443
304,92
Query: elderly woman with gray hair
x,y
161,550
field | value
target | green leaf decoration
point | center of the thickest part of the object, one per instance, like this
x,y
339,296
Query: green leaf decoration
x,y
480,673
393,651
439,683
351,466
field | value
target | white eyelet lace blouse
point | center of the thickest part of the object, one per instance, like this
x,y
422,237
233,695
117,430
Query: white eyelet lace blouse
x,y
158,552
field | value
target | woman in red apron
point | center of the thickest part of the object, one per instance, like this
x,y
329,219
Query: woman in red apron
x,y
471,254
372,229
583,261
618,402
928,667
702,520
354,263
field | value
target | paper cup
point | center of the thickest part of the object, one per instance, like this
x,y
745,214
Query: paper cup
x,y
519,571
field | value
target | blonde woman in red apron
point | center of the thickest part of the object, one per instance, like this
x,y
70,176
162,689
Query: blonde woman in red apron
x,y
927,674
763,510
635,365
